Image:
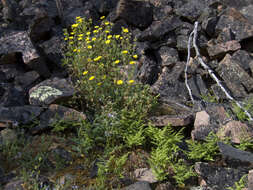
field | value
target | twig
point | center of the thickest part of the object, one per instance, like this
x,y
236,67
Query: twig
x,y
186,67
210,71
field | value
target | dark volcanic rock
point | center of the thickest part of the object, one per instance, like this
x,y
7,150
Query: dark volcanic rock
x,y
158,29
57,113
148,71
26,79
218,177
219,50
19,115
191,10
235,77
235,130
13,96
168,84
173,120
233,19
136,13
168,55
50,91
234,156
18,41
138,186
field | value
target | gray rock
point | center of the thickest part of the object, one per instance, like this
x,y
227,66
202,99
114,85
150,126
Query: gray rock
x,y
250,179
234,76
191,10
50,91
235,157
244,59
168,55
138,186
158,29
233,19
218,178
13,96
27,79
219,50
235,130
209,25
136,13
173,120
19,41
19,115
169,85
161,13
247,11
57,113
148,70
145,174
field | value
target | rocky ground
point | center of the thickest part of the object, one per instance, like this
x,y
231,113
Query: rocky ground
x,y
34,85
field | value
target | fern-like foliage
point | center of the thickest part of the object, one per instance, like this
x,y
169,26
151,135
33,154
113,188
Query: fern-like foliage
x,y
165,141
203,151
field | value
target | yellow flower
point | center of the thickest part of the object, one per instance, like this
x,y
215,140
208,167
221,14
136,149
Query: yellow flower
x,y
87,42
124,52
80,38
117,36
95,31
132,62
97,58
121,38
104,77
80,20
78,50
91,78
130,81
72,33
107,31
135,56
85,72
71,37
109,37
96,26
99,84
117,61
87,33
107,41
119,82
74,25
89,47
80,35
89,60
93,39
87,39
102,17
125,30
107,23
78,17
100,28
71,43
65,39
74,50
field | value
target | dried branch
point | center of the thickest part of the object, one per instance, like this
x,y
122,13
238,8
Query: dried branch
x,y
210,71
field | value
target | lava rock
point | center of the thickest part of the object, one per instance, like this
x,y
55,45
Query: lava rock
x,y
49,91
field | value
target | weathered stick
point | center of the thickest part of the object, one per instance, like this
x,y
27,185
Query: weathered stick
x,y
210,71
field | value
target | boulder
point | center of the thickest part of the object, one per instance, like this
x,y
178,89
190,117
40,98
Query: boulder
x,y
50,91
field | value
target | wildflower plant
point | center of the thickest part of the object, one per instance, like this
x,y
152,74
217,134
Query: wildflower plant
x,y
98,59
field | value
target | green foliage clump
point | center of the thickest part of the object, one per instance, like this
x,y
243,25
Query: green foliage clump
x,y
166,142
204,151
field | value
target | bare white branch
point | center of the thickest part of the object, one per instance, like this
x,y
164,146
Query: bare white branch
x,y
210,71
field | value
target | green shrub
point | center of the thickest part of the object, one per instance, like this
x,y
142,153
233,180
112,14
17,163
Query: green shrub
x,y
203,151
